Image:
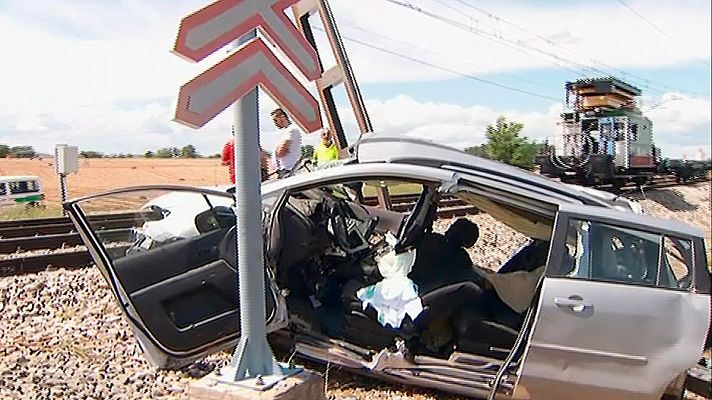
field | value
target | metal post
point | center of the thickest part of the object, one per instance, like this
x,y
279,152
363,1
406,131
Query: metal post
x,y
63,190
253,364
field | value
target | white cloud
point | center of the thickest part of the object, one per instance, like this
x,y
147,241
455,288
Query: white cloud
x,y
112,129
682,125
97,74
80,52
676,112
453,124
679,127
606,32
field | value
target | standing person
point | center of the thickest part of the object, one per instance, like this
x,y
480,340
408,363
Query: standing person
x,y
326,150
228,159
288,150
264,164
228,156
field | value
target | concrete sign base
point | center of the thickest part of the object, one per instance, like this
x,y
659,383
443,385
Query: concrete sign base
x,y
306,385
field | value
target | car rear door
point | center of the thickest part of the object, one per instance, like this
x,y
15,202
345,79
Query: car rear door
x,y
624,307
168,254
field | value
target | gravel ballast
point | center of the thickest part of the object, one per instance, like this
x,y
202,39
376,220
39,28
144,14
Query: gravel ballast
x,y
62,335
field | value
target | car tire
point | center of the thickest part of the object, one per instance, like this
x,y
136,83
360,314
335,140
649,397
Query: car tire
x,y
675,389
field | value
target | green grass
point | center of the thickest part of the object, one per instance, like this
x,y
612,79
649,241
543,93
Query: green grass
x,y
16,212
394,189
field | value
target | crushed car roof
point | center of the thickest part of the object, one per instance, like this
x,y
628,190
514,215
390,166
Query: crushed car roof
x,y
376,148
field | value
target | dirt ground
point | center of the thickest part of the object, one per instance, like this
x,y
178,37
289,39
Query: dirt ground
x,y
101,174
73,342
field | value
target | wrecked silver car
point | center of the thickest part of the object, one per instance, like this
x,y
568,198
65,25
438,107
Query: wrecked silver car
x,y
601,301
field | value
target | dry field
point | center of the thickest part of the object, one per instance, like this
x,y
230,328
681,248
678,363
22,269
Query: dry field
x,y
101,174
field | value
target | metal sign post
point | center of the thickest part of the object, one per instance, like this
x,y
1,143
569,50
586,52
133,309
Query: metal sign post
x,y
66,161
236,79
253,363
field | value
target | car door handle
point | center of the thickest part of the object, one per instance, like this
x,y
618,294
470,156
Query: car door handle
x,y
575,303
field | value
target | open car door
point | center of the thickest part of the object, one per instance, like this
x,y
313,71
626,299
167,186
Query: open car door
x,y
168,254
624,307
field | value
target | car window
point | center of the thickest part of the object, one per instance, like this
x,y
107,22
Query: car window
x,y
394,187
23,187
3,191
143,220
677,261
599,251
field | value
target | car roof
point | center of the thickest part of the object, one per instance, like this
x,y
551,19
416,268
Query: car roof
x,y
376,148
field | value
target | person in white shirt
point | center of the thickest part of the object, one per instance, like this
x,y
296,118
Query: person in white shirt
x,y
288,150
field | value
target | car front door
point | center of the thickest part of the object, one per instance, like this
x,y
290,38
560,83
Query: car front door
x,y
624,308
168,255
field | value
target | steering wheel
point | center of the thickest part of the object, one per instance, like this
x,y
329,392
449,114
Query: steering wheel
x,y
413,228
346,228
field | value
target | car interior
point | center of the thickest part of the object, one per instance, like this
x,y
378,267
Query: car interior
x,y
324,246
177,266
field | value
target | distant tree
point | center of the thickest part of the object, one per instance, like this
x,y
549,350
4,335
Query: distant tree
x,y
479,151
23,152
91,154
4,150
307,151
505,144
148,154
175,152
216,155
189,151
165,152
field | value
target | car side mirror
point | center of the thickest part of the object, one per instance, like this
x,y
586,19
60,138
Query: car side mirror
x,y
218,217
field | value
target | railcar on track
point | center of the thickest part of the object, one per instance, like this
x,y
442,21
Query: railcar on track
x,y
604,139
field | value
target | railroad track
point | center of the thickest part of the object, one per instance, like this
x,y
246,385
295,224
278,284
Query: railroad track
x,y
29,246
58,245
656,182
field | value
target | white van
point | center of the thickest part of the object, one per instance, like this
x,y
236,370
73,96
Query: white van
x,y
20,190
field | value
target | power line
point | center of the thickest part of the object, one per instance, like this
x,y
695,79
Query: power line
x,y
445,4
583,69
439,54
446,69
500,39
645,81
657,28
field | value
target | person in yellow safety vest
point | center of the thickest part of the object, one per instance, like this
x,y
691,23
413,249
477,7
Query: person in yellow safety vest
x,y
326,150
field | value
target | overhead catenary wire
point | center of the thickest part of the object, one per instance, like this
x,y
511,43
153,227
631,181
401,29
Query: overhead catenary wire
x,y
658,29
646,82
582,70
447,56
445,69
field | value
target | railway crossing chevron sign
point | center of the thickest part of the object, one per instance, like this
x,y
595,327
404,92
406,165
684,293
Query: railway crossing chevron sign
x,y
224,21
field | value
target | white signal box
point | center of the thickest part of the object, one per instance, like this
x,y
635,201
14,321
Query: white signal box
x,y
66,159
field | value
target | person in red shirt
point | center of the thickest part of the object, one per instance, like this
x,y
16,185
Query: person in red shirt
x,y
228,158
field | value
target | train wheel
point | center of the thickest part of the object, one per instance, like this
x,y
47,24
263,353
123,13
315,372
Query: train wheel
x,y
639,182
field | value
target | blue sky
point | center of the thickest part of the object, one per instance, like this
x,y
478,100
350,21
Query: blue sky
x,y
99,74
